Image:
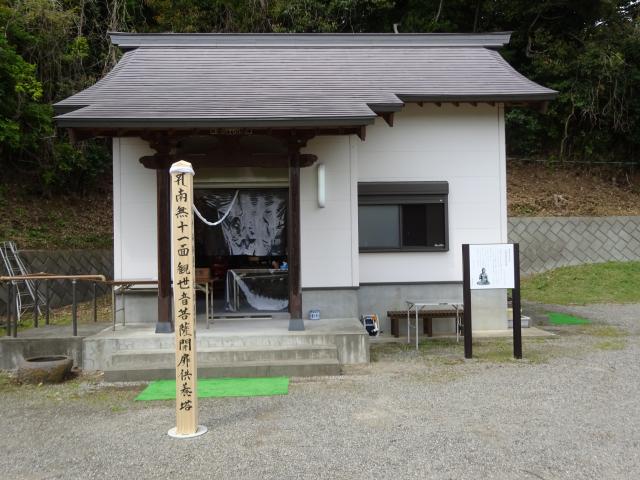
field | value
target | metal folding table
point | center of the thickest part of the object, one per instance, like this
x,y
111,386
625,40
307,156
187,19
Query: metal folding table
x,y
419,305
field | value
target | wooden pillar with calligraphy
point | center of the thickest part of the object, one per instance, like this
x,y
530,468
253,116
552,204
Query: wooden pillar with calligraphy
x,y
184,302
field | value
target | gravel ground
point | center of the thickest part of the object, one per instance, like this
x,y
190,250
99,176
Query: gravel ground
x,y
571,410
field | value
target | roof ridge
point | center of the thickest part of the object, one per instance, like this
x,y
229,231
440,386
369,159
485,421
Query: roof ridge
x,y
129,41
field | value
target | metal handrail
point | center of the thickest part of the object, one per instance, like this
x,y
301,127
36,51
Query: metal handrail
x,y
12,320
50,276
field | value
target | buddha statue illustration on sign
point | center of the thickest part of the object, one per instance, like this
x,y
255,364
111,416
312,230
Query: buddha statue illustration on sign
x,y
483,278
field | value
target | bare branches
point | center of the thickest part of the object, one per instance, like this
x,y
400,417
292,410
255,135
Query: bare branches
x,y
476,17
437,17
117,12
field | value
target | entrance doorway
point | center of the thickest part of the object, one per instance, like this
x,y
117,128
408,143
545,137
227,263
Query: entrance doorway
x,y
245,256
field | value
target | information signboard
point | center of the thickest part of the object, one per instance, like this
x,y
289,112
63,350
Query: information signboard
x,y
491,266
487,267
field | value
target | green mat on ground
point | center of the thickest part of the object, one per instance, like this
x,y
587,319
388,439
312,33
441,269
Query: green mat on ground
x,y
556,318
220,387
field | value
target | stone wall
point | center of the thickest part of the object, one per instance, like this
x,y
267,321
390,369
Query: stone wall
x,y
551,242
67,262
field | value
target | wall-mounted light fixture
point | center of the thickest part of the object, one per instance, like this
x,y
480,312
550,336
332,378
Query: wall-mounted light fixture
x,y
321,186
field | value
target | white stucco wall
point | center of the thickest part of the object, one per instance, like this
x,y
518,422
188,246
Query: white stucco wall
x,y
134,211
462,145
329,235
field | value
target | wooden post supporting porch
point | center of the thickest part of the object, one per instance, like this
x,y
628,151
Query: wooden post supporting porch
x,y
160,162
163,204
296,323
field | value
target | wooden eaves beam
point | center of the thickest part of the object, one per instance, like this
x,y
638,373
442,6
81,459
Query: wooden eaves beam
x,y
388,117
224,158
78,134
541,105
363,133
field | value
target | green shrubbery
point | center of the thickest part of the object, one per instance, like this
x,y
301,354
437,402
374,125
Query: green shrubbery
x,y
589,51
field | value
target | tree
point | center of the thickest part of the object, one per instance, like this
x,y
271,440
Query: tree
x,y
588,51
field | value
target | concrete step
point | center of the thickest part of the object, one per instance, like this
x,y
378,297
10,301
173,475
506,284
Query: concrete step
x,y
165,358
272,368
204,341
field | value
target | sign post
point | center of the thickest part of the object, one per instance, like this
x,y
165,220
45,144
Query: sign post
x,y
184,302
492,266
515,304
466,300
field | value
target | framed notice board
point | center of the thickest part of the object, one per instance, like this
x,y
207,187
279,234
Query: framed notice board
x,y
491,266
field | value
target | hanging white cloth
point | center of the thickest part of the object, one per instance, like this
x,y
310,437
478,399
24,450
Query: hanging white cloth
x,y
213,224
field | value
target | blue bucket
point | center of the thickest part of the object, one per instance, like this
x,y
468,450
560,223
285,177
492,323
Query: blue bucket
x,y
314,314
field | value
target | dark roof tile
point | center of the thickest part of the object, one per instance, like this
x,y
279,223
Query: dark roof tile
x,y
227,84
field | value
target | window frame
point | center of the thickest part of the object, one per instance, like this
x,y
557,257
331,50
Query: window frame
x,y
405,193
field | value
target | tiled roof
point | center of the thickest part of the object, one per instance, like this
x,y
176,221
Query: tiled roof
x,y
216,80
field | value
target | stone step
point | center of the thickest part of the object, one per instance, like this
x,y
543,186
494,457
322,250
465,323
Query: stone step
x,y
205,341
165,358
272,368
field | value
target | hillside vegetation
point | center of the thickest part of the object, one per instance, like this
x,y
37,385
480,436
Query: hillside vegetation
x,y
58,221
75,221
537,190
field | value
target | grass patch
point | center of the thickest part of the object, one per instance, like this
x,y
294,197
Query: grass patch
x,y
611,282
605,331
7,385
62,315
500,350
85,390
617,344
445,351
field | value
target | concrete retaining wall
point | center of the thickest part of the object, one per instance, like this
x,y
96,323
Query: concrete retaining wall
x,y
551,242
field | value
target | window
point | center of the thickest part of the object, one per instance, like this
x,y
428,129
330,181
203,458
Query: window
x,y
409,216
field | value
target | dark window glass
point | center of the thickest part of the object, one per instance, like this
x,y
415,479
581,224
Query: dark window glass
x,y
397,216
414,225
435,225
378,226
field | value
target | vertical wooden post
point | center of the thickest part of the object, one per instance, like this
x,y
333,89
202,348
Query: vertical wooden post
x,y
296,322
47,301
9,306
184,302
14,308
74,308
466,298
36,304
515,304
95,303
164,252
